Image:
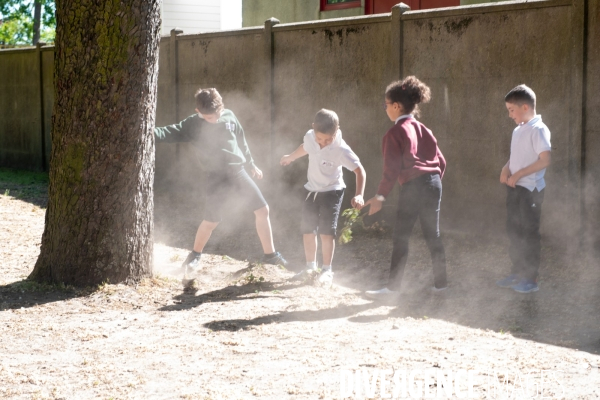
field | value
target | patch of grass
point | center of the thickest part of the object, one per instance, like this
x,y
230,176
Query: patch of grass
x,y
25,185
253,279
33,286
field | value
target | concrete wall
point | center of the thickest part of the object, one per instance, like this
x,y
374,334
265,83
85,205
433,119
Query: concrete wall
x,y
277,76
255,12
343,66
21,89
474,56
591,160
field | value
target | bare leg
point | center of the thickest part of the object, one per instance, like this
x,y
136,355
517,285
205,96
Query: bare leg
x,y
327,247
310,247
203,234
263,228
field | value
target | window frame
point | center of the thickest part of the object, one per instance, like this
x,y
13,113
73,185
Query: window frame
x,y
339,6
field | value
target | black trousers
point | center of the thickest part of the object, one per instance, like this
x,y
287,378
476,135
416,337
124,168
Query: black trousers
x,y
523,212
419,198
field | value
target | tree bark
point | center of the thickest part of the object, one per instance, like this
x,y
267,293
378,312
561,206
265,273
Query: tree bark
x,y
37,21
99,221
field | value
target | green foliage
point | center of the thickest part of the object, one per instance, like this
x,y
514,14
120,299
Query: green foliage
x,y
16,22
355,224
24,184
352,218
18,177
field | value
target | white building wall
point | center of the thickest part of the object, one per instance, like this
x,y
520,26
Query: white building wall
x,y
195,16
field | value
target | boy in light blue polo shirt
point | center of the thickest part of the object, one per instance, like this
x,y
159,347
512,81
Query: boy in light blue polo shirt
x,y
523,175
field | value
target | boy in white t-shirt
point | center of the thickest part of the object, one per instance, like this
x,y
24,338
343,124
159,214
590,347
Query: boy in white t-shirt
x,y
523,175
327,154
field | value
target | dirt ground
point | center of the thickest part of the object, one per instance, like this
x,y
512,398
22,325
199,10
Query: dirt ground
x,y
247,332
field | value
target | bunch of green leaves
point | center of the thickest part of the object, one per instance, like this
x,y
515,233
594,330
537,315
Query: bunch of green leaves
x,y
17,21
354,224
352,219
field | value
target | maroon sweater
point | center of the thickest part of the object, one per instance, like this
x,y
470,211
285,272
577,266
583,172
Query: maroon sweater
x,y
409,150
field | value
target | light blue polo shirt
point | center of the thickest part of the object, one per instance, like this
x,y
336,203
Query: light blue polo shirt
x,y
528,141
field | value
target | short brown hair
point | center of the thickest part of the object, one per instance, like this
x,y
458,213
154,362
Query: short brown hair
x,y
409,92
520,95
326,121
209,101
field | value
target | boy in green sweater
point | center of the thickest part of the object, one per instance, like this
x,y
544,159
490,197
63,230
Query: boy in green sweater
x,y
219,139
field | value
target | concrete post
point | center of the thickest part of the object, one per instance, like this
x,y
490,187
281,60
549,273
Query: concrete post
x,y
174,72
270,61
174,78
38,50
397,41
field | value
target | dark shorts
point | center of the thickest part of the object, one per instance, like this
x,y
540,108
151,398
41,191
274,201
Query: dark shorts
x,y
320,214
235,185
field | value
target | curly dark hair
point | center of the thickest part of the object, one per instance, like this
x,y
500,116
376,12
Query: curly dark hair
x,y
209,101
408,92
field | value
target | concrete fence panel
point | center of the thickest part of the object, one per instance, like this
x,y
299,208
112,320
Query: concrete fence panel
x,y
277,76
342,65
471,57
20,110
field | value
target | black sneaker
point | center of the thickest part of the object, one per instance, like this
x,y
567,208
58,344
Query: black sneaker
x,y
275,259
192,265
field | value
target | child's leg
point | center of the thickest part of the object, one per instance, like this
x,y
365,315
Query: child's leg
x,y
429,214
263,228
327,248
531,213
330,204
514,229
406,216
309,226
203,234
310,247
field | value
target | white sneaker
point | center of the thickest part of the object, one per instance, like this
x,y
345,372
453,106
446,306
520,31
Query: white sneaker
x,y
437,290
304,275
326,278
381,294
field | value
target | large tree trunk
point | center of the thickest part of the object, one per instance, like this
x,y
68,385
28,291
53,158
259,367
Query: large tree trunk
x,y
99,221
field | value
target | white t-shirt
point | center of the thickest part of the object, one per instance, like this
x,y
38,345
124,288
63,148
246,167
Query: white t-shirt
x,y
325,164
528,141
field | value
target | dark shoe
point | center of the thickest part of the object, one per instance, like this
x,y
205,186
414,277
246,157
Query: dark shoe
x,y
192,265
275,259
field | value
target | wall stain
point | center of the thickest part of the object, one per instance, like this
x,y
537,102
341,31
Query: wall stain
x,y
458,27
203,44
341,33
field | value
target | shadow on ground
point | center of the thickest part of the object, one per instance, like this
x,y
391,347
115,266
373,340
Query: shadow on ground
x,y
26,293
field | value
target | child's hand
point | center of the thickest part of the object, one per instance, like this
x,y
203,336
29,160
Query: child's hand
x,y
357,202
504,175
375,205
257,173
286,160
512,180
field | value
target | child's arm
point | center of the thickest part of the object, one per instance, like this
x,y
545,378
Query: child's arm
x,y
176,133
358,201
542,162
392,166
243,145
290,158
505,173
